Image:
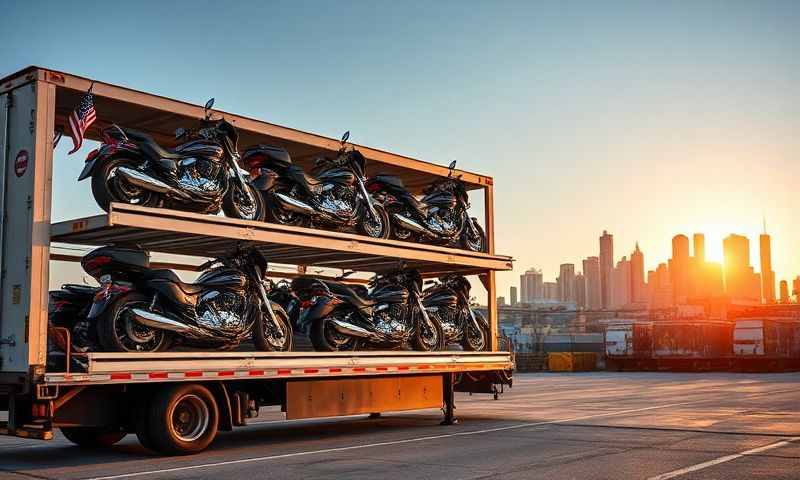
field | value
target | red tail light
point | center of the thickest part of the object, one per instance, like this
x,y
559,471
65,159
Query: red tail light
x,y
255,172
92,154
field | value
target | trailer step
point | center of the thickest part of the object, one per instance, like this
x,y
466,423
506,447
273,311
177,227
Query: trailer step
x,y
27,431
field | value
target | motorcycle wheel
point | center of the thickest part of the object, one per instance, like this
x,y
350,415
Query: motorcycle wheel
x,y
380,228
476,341
119,332
107,188
265,339
474,243
236,206
276,214
427,339
325,338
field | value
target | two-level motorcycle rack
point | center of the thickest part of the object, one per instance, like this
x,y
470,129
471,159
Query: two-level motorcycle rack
x,y
35,101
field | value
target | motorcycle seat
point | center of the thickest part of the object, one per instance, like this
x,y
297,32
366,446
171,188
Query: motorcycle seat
x,y
151,147
170,276
301,176
355,294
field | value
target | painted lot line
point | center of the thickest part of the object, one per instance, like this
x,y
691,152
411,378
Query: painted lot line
x,y
393,442
727,458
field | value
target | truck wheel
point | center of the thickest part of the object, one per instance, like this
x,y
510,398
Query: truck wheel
x,y
182,419
119,332
140,423
92,437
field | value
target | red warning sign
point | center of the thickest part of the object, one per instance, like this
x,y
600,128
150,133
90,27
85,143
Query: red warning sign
x,y
21,163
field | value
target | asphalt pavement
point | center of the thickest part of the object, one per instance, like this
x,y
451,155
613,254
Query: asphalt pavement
x,y
598,425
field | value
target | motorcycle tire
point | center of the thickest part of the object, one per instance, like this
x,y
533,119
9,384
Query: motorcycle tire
x,y
370,228
114,331
260,339
429,344
232,209
477,244
325,339
276,214
106,189
482,343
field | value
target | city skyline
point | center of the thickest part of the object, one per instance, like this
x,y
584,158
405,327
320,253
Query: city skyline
x,y
687,275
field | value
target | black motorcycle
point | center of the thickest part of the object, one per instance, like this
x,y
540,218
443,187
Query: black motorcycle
x,y
142,309
199,175
447,303
339,316
335,198
441,216
68,308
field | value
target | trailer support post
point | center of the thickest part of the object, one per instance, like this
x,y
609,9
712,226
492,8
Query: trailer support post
x,y
448,392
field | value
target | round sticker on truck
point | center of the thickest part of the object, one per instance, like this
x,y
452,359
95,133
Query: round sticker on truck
x,y
21,163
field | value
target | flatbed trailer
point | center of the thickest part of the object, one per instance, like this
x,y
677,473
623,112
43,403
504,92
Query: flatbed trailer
x,y
159,395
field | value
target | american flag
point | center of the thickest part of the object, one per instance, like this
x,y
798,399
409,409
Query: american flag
x,y
80,119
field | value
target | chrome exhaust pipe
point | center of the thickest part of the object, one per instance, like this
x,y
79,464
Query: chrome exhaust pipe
x,y
141,179
353,330
409,224
161,322
294,204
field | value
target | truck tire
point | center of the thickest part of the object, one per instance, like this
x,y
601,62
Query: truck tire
x,y
140,423
182,419
93,437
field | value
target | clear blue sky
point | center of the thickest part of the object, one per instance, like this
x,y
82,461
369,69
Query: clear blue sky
x,y
644,118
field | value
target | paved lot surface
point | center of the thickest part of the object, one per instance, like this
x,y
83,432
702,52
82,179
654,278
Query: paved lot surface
x,y
561,426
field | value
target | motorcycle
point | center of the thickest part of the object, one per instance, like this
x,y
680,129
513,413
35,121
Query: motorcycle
x,y
335,198
141,309
68,308
338,316
447,303
200,175
441,216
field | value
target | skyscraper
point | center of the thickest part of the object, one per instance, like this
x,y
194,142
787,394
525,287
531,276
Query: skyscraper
x,y
591,273
784,291
621,284
699,247
550,291
580,290
796,289
741,283
606,266
767,275
638,290
513,295
660,288
531,285
566,282
679,268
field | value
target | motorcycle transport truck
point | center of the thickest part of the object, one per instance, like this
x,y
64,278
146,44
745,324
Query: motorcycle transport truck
x,y
177,400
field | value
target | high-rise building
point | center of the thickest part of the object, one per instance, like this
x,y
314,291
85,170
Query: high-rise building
x,y
796,289
591,274
679,269
550,291
767,275
566,282
606,266
621,284
513,295
784,291
741,282
501,301
531,285
660,288
580,290
699,241
638,288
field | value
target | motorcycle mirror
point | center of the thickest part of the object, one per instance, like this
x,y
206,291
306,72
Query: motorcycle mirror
x,y
452,165
209,104
345,137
